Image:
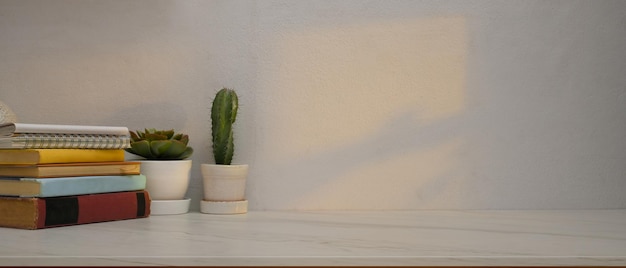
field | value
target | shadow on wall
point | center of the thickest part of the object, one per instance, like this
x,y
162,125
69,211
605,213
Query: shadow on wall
x,y
150,115
372,109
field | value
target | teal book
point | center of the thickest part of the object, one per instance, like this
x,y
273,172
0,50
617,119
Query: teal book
x,y
64,186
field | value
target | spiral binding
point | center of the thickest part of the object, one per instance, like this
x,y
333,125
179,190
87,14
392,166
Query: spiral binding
x,y
70,141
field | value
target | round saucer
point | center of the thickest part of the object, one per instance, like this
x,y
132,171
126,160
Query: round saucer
x,y
169,207
224,207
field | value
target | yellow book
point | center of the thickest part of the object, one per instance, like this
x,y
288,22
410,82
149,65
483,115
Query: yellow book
x,y
50,156
70,169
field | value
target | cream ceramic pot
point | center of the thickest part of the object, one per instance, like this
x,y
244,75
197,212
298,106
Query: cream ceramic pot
x,y
166,179
224,182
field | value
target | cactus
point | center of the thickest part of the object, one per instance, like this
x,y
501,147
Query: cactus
x,y
223,115
159,144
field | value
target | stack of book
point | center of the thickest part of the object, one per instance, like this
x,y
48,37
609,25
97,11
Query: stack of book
x,y
59,175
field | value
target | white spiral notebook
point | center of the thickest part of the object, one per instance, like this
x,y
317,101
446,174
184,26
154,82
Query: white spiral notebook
x,y
50,136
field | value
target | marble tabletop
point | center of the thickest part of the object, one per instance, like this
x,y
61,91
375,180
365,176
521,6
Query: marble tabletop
x,y
450,238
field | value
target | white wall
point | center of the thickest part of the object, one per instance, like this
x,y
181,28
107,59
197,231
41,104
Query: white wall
x,y
349,104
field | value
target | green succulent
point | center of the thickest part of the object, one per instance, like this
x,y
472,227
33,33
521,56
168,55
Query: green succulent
x,y
159,144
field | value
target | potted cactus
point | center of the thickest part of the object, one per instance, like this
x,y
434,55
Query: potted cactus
x,y
224,182
164,163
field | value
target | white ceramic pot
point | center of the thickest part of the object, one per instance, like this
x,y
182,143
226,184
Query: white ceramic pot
x,y
166,179
224,182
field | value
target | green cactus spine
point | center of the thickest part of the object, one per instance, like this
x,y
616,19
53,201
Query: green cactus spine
x,y
223,115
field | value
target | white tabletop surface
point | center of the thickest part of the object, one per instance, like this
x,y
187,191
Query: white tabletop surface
x,y
543,237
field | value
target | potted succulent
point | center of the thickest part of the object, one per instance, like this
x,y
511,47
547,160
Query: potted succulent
x,y
224,182
164,163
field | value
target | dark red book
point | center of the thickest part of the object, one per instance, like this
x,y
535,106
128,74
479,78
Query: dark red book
x,y
37,213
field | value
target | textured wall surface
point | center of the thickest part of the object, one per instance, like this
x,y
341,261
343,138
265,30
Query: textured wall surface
x,y
348,104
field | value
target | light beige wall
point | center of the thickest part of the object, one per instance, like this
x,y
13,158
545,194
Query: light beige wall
x,y
349,104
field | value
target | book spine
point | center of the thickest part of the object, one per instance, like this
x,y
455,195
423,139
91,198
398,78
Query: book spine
x,y
70,141
48,156
52,187
82,209
71,169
